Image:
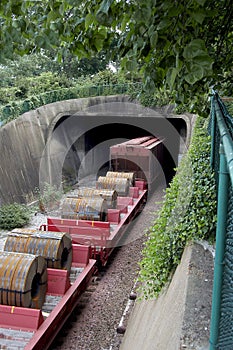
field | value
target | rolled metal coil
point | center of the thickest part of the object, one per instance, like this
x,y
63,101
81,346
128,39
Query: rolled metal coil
x,y
84,208
109,195
55,247
121,185
127,175
23,280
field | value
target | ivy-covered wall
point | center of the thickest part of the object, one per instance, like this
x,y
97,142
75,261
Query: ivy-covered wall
x,y
188,213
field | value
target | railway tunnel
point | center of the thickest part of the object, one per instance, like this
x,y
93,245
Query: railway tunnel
x,y
67,140
88,141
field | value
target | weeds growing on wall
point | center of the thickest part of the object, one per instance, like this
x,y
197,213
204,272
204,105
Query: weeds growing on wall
x,y
48,197
188,213
14,215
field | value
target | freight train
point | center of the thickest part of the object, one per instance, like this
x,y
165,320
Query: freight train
x,y
44,272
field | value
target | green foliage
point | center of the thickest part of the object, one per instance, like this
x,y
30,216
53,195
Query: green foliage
x,y
188,213
14,215
25,87
108,77
182,46
48,197
35,65
20,68
229,106
84,88
163,96
20,81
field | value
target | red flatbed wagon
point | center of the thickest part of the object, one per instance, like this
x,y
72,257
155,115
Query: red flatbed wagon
x,y
103,236
34,329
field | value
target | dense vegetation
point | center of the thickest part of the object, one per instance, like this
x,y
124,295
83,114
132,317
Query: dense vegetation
x,y
179,49
188,213
181,46
19,93
37,73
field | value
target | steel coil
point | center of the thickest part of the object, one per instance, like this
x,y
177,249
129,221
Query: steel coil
x,y
23,280
127,175
55,247
109,195
84,208
120,185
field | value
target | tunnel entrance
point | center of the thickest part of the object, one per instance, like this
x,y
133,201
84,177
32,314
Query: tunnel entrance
x,y
89,153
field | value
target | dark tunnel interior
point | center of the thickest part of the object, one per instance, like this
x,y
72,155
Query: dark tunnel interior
x,y
109,130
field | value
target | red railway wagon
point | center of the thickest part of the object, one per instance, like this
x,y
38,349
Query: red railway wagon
x,y
103,237
26,328
140,155
35,329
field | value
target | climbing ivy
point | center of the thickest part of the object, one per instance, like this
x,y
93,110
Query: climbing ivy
x,y
13,110
188,213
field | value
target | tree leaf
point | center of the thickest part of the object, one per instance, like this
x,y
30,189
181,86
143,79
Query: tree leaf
x,y
154,39
201,2
39,40
104,19
195,48
88,20
52,16
124,22
205,61
105,5
79,50
149,84
171,76
165,23
198,16
174,11
196,72
131,65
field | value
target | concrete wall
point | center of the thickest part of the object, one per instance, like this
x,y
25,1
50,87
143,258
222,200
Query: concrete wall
x,y
34,152
23,144
180,317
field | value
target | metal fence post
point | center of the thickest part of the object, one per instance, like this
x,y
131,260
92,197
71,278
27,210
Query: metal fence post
x,y
212,133
220,249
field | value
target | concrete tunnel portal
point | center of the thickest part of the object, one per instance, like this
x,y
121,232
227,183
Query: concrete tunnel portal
x,y
69,140
88,151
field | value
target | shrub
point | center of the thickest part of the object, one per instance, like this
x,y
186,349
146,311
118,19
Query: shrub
x,y
14,215
48,197
188,213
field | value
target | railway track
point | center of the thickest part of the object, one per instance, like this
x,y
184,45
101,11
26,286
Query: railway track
x,y
19,339
98,321
89,255
94,324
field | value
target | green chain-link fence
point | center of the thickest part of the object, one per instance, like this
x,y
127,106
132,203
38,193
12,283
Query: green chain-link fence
x,y
221,126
